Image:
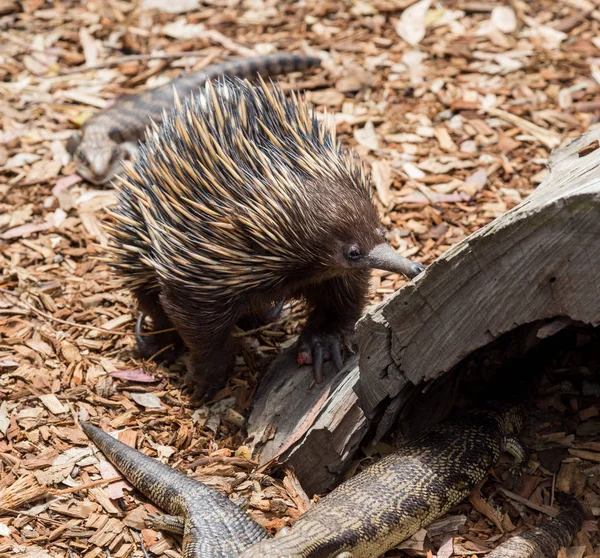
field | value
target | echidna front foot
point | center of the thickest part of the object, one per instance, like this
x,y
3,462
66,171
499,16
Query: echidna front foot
x,y
200,389
316,347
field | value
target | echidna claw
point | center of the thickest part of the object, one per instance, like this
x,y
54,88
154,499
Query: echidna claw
x,y
139,324
151,347
315,348
318,359
336,355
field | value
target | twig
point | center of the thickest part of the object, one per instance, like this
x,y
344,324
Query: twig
x,y
85,486
81,326
547,137
51,318
32,515
552,512
144,551
218,37
243,333
235,461
211,34
161,351
133,58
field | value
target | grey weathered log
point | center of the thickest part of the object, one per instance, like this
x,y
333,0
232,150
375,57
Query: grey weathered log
x,y
315,429
538,261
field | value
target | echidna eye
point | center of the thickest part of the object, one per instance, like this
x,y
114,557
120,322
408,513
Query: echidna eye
x,y
82,157
381,232
353,253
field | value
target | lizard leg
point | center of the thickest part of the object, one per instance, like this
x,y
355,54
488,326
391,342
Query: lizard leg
x,y
169,523
513,447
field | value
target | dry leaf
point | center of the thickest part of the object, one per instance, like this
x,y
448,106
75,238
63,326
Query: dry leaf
x,y
65,182
4,418
21,159
504,19
547,137
446,549
52,403
135,375
411,25
412,171
329,97
171,7
25,230
90,48
478,179
148,400
381,173
367,137
70,352
181,29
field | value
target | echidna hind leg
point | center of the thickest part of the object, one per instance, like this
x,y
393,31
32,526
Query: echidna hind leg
x,y
209,366
207,334
151,345
262,317
336,306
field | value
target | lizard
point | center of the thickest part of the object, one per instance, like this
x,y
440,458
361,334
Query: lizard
x,y
364,516
111,136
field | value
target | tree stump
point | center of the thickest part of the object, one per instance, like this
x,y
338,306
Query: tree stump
x,y
538,261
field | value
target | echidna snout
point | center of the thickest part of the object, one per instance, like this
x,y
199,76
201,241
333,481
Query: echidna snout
x,y
382,256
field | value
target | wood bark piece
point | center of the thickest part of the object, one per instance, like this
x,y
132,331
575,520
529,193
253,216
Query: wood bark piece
x,y
314,429
538,261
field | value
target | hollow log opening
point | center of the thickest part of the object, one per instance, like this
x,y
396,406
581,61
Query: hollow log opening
x,y
551,368
520,366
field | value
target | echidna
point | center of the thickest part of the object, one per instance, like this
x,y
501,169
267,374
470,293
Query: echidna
x,y
239,199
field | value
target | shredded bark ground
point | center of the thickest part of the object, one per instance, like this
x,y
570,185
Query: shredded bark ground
x,y
455,106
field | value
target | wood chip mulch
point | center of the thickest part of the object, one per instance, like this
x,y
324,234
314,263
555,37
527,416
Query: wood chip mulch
x,y
454,105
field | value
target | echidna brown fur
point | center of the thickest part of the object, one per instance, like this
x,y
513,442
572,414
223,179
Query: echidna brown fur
x,y
240,198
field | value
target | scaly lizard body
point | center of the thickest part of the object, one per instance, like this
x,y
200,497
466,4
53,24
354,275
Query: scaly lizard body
x,y
388,502
546,541
112,135
214,528
366,515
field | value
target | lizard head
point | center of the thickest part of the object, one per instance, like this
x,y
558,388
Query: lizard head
x,y
97,159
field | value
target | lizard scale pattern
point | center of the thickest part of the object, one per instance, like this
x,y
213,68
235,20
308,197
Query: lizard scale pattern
x,y
546,541
394,498
362,518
